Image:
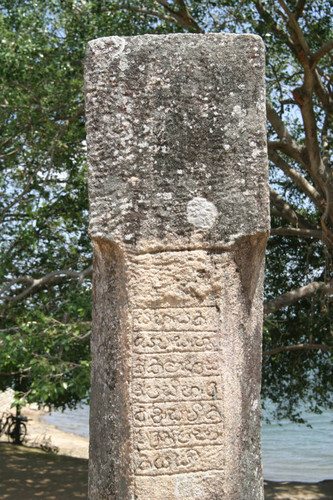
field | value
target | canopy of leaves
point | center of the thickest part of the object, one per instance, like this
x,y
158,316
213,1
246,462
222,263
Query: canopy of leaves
x,y
45,267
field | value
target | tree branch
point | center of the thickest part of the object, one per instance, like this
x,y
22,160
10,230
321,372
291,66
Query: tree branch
x,y
279,33
18,372
295,26
325,142
309,156
297,232
277,123
297,347
288,149
319,172
299,180
182,16
297,294
287,212
146,12
321,175
299,8
50,278
303,97
291,147
324,49
320,90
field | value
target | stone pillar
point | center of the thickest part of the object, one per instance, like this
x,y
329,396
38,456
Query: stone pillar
x,y
179,220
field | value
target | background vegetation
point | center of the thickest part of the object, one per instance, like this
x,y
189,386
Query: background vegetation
x,y
45,269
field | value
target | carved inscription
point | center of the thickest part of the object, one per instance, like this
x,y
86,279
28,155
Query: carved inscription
x,y
172,461
171,414
148,342
176,319
176,391
181,389
186,436
175,365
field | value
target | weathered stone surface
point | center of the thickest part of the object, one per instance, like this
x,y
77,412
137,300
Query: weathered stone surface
x,y
169,115
179,218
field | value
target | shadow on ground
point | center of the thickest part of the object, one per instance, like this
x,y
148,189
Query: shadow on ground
x,y
299,491
26,473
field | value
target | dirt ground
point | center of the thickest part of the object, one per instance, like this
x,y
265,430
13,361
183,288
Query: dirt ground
x,y
28,473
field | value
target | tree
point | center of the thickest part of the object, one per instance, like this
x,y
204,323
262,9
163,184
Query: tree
x,y
46,268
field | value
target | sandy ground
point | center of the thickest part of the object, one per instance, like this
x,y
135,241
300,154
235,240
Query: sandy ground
x,y
28,472
49,438
44,436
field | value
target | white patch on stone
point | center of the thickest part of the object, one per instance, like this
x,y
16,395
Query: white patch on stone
x,y
201,213
238,111
119,46
123,65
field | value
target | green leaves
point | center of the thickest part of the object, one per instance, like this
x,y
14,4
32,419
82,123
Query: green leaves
x,y
46,360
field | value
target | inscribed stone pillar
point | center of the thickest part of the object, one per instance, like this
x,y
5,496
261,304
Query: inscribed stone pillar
x,y
179,220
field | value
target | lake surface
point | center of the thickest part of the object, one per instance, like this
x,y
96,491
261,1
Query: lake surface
x,y
295,452
291,452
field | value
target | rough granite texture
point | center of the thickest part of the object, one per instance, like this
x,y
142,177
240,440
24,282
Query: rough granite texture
x,y
179,217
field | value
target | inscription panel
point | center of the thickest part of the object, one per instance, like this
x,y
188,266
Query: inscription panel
x,y
178,389
172,461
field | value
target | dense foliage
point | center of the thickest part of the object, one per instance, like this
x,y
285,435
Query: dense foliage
x,y
45,268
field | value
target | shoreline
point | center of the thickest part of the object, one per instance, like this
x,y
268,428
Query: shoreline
x,y
46,437
49,438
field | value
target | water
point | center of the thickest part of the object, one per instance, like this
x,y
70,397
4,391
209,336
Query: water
x,y
295,452
75,421
291,452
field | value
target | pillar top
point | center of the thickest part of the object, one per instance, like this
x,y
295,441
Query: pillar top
x,y
177,143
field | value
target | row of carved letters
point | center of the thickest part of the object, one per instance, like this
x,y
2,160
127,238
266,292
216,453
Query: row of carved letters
x,y
180,341
178,437
168,414
148,390
175,365
175,319
183,460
